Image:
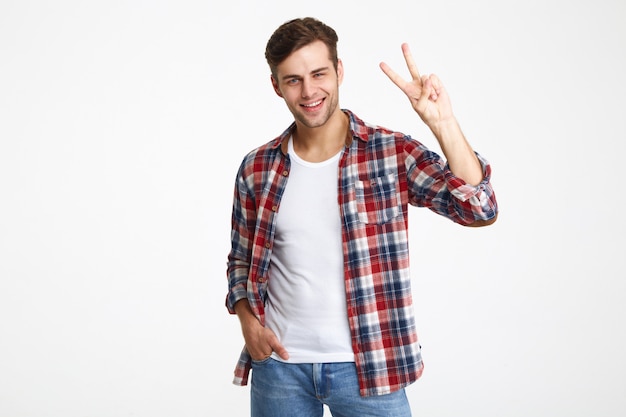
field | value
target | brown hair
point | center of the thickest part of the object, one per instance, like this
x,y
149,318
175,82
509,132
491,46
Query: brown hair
x,y
295,34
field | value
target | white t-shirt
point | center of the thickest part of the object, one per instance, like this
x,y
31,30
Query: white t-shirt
x,y
306,305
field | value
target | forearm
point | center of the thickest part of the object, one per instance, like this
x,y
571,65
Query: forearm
x,y
244,313
458,152
260,341
238,268
239,257
433,185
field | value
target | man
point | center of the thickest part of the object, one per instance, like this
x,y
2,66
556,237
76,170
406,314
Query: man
x,y
318,271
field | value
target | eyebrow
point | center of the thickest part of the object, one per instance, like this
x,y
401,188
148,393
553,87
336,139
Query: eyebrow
x,y
289,76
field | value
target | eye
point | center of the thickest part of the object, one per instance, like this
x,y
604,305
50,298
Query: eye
x,y
292,81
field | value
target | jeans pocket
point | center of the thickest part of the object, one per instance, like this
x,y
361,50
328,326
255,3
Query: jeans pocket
x,y
261,362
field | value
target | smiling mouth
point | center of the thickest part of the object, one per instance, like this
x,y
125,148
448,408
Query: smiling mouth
x,y
312,105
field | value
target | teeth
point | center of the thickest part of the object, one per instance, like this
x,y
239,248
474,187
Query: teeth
x,y
313,104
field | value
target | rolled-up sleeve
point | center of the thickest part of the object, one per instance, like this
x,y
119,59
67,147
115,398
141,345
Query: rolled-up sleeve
x,y
433,185
239,257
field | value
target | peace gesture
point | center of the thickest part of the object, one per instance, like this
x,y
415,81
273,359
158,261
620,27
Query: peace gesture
x,y
426,93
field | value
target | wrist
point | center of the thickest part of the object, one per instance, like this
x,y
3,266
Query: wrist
x,y
446,129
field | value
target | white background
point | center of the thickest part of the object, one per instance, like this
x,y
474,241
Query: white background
x,y
122,124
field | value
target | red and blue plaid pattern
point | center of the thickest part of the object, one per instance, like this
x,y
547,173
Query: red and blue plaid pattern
x,y
381,172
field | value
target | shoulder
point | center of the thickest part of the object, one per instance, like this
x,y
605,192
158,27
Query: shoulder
x,y
373,134
266,153
259,161
263,151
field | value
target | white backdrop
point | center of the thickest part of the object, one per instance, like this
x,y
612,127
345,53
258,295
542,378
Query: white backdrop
x,y
122,124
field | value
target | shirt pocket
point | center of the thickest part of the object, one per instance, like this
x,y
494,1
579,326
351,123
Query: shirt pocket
x,y
376,199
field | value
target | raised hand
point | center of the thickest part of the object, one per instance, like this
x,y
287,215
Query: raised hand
x,y
426,92
430,100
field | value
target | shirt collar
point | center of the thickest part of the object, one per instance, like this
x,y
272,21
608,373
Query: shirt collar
x,y
358,130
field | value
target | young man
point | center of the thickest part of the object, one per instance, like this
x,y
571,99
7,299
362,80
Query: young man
x,y
318,271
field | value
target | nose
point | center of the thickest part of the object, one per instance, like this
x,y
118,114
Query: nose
x,y
307,88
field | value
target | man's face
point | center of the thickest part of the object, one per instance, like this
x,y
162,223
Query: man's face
x,y
309,84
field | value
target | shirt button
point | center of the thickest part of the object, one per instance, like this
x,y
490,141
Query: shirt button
x,y
285,173
261,280
274,208
267,245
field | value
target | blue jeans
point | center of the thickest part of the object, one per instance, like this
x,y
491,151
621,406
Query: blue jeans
x,y
281,389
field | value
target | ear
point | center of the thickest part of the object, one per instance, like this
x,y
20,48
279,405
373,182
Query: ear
x,y
339,72
275,86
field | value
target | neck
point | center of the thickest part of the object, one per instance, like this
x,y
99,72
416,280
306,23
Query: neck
x,y
320,143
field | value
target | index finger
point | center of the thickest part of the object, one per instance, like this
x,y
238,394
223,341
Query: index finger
x,y
393,76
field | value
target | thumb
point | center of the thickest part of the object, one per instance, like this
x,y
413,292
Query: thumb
x,y
430,90
279,349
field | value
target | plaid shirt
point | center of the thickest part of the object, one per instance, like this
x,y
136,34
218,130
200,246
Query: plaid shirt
x,y
380,173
